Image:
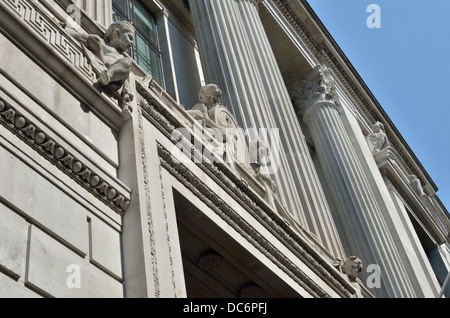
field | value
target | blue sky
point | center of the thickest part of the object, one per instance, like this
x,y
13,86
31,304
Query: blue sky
x,y
406,65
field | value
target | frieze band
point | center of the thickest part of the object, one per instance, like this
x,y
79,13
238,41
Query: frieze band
x,y
59,156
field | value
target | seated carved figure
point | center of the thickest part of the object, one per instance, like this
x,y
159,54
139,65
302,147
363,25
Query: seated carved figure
x,y
210,96
377,140
109,61
260,156
352,268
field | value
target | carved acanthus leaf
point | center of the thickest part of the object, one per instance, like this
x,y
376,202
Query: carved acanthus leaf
x,y
317,87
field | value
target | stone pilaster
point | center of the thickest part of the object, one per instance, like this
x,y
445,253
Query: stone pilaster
x,y
362,218
237,56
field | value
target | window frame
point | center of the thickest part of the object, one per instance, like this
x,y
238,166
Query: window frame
x,y
130,16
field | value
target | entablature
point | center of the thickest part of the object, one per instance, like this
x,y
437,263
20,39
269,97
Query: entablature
x,y
423,206
368,111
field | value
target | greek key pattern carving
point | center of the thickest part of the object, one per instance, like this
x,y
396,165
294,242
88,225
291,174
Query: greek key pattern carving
x,y
49,31
42,142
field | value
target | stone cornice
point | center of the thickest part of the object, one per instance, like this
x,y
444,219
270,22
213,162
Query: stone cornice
x,y
42,141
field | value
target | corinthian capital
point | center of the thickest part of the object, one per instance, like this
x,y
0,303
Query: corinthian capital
x,y
316,88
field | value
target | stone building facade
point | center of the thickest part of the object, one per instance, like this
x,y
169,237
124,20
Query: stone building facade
x,y
202,148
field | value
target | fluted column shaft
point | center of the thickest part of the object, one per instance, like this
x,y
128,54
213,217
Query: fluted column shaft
x,y
236,55
361,217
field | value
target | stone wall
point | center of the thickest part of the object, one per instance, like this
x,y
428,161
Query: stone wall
x,y
60,199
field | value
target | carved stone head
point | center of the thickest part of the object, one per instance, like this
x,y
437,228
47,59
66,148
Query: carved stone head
x,y
120,35
210,95
352,267
378,127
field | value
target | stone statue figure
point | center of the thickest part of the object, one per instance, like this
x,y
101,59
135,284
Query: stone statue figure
x,y
415,184
377,140
209,96
222,126
352,267
109,60
270,187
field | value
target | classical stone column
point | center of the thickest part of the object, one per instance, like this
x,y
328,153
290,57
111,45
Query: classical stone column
x,y
367,231
236,55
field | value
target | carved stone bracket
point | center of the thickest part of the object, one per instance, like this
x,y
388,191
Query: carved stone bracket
x,y
42,142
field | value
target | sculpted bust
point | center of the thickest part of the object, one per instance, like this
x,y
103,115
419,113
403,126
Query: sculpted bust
x,y
109,60
209,96
352,267
377,140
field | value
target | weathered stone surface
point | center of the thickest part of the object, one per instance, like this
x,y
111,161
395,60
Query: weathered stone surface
x,y
103,235
13,289
13,238
41,200
68,269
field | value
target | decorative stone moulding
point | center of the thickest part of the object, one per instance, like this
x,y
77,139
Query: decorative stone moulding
x,y
251,291
60,55
42,142
210,262
317,88
33,16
